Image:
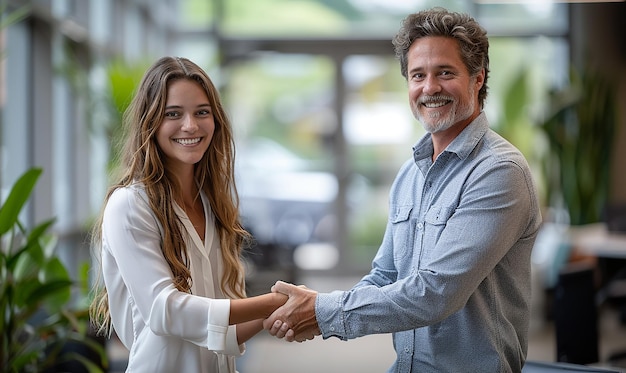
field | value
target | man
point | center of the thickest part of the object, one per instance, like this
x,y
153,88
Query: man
x,y
451,279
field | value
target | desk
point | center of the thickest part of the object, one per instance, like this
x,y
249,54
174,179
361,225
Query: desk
x,y
596,240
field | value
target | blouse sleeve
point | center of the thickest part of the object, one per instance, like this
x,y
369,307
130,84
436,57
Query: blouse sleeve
x,y
131,234
232,347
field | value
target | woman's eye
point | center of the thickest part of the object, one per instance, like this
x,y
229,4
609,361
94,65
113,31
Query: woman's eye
x,y
171,114
204,112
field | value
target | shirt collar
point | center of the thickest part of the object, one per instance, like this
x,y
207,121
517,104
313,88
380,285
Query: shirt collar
x,y
462,145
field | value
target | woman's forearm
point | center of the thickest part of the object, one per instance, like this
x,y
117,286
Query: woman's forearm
x,y
253,308
248,330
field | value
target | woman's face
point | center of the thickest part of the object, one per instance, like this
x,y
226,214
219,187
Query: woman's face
x,y
187,125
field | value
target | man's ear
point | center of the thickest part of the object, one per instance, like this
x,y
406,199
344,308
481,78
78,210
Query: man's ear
x,y
480,79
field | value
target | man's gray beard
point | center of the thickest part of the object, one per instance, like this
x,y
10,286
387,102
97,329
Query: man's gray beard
x,y
461,113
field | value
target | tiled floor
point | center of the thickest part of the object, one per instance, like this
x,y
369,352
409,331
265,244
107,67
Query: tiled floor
x,y
266,354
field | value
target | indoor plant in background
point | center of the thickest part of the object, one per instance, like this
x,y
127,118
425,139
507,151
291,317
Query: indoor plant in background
x,y
37,319
580,125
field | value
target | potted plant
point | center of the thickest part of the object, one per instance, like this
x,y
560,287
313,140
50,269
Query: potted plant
x,y
36,320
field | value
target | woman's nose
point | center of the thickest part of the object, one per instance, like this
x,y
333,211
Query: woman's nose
x,y
189,123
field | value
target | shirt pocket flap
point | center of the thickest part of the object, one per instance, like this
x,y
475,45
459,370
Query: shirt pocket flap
x,y
438,215
401,213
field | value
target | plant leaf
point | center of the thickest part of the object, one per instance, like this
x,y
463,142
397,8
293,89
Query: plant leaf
x,y
515,97
20,192
26,266
52,288
39,231
55,271
14,16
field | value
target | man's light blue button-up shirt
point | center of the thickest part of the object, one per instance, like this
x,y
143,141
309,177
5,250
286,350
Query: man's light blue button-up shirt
x,y
451,279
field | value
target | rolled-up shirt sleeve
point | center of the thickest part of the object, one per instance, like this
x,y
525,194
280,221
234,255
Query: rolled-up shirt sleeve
x,y
232,346
219,338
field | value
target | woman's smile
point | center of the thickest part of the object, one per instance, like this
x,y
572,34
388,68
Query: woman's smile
x,y
188,141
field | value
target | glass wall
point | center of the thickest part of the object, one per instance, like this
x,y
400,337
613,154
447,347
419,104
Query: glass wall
x,y
318,104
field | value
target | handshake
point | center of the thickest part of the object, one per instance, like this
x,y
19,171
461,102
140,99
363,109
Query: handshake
x,y
295,320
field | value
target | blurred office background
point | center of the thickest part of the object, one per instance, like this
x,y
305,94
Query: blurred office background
x,y
321,119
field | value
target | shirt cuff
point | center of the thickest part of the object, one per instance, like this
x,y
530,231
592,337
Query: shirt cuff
x,y
217,328
330,315
232,347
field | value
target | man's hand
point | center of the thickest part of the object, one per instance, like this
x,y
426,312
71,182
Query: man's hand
x,y
295,320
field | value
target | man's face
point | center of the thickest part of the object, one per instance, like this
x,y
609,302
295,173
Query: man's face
x,y
441,91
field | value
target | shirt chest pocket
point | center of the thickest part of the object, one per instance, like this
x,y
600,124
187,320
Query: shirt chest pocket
x,y
438,215
434,223
403,231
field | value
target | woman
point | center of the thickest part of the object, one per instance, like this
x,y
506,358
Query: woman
x,y
169,237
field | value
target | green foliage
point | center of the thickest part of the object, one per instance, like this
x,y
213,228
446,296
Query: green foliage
x,y
273,17
123,78
517,126
12,17
35,290
575,150
197,13
580,126
270,85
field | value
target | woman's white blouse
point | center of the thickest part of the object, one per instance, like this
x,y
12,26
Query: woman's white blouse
x,y
164,329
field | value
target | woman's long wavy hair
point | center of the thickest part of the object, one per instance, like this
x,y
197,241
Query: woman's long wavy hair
x,y
143,162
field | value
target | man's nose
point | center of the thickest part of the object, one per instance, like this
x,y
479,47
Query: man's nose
x,y
431,85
